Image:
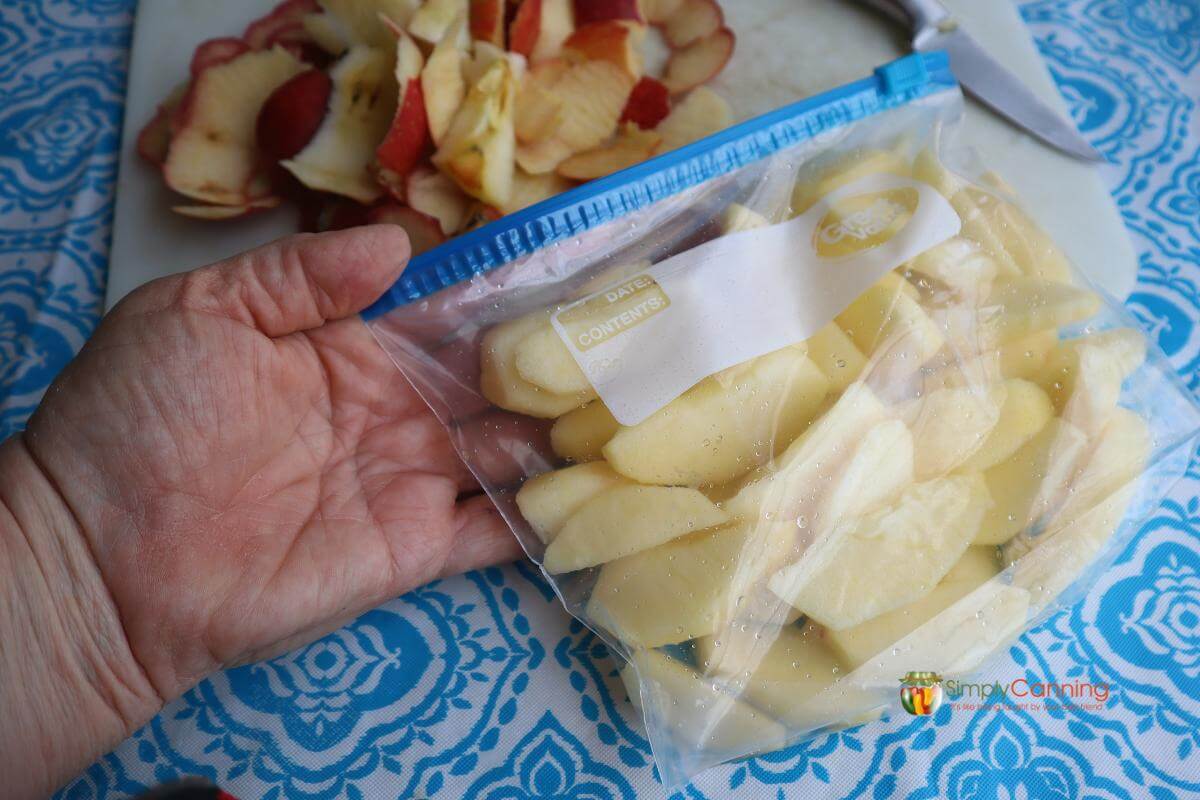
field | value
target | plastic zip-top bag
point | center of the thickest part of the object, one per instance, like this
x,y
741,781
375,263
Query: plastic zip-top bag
x,y
794,411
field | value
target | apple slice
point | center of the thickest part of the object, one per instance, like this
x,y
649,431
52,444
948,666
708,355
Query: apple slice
x,y
503,385
836,356
625,520
951,424
719,430
615,41
530,189
1019,307
631,146
825,175
433,19
544,360
407,140
959,264
1025,411
326,32
357,22
442,82
424,232
293,114
1117,460
699,62
478,148
737,217
777,676
696,714
215,52
540,27
881,467
212,157
798,478
581,434
487,21
1084,376
861,643
539,109
154,140
594,12
649,103
206,212
361,109
883,560
1028,483
434,195
548,500
690,21
702,113
670,593
889,326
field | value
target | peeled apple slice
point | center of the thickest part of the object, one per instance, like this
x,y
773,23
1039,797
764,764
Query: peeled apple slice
x,y
736,217
580,435
696,714
1048,564
503,385
880,468
836,356
1020,307
950,425
1025,411
626,520
883,560
955,641
1026,357
670,593
1084,376
548,500
847,169
958,264
886,323
802,473
721,429
1024,486
544,360
1116,461
795,664
857,645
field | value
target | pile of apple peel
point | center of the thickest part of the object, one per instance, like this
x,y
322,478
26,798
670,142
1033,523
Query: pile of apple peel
x,y
905,490
437,115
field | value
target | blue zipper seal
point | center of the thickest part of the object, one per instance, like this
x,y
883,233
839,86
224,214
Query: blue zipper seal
x,y
614,196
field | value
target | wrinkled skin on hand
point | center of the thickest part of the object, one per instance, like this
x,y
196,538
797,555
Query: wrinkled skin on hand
x,y
246,465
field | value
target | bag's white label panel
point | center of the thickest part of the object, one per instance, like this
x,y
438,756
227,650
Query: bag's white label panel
x,y
646,340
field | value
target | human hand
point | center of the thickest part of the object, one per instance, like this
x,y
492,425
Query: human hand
x,y
245,465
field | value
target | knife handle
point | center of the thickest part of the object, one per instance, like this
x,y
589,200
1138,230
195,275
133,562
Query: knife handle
x,y
916,15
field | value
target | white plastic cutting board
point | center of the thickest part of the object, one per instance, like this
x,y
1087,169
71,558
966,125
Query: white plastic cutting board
x,y
787,50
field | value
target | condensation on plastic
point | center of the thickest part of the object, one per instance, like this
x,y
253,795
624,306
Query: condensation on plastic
x,y
953,459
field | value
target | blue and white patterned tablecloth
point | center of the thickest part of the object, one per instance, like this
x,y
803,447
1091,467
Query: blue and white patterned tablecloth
x,y
508,698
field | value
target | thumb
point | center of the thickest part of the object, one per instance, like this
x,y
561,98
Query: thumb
x,y
300,282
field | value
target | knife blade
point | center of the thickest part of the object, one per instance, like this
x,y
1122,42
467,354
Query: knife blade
x,y
997,87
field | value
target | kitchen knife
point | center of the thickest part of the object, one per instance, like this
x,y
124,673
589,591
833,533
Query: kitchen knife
x,y
985,78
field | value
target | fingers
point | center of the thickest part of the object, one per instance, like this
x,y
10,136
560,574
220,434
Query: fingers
x,y
483,538
300,282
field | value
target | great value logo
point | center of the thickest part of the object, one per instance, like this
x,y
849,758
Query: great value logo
x,y
865,221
